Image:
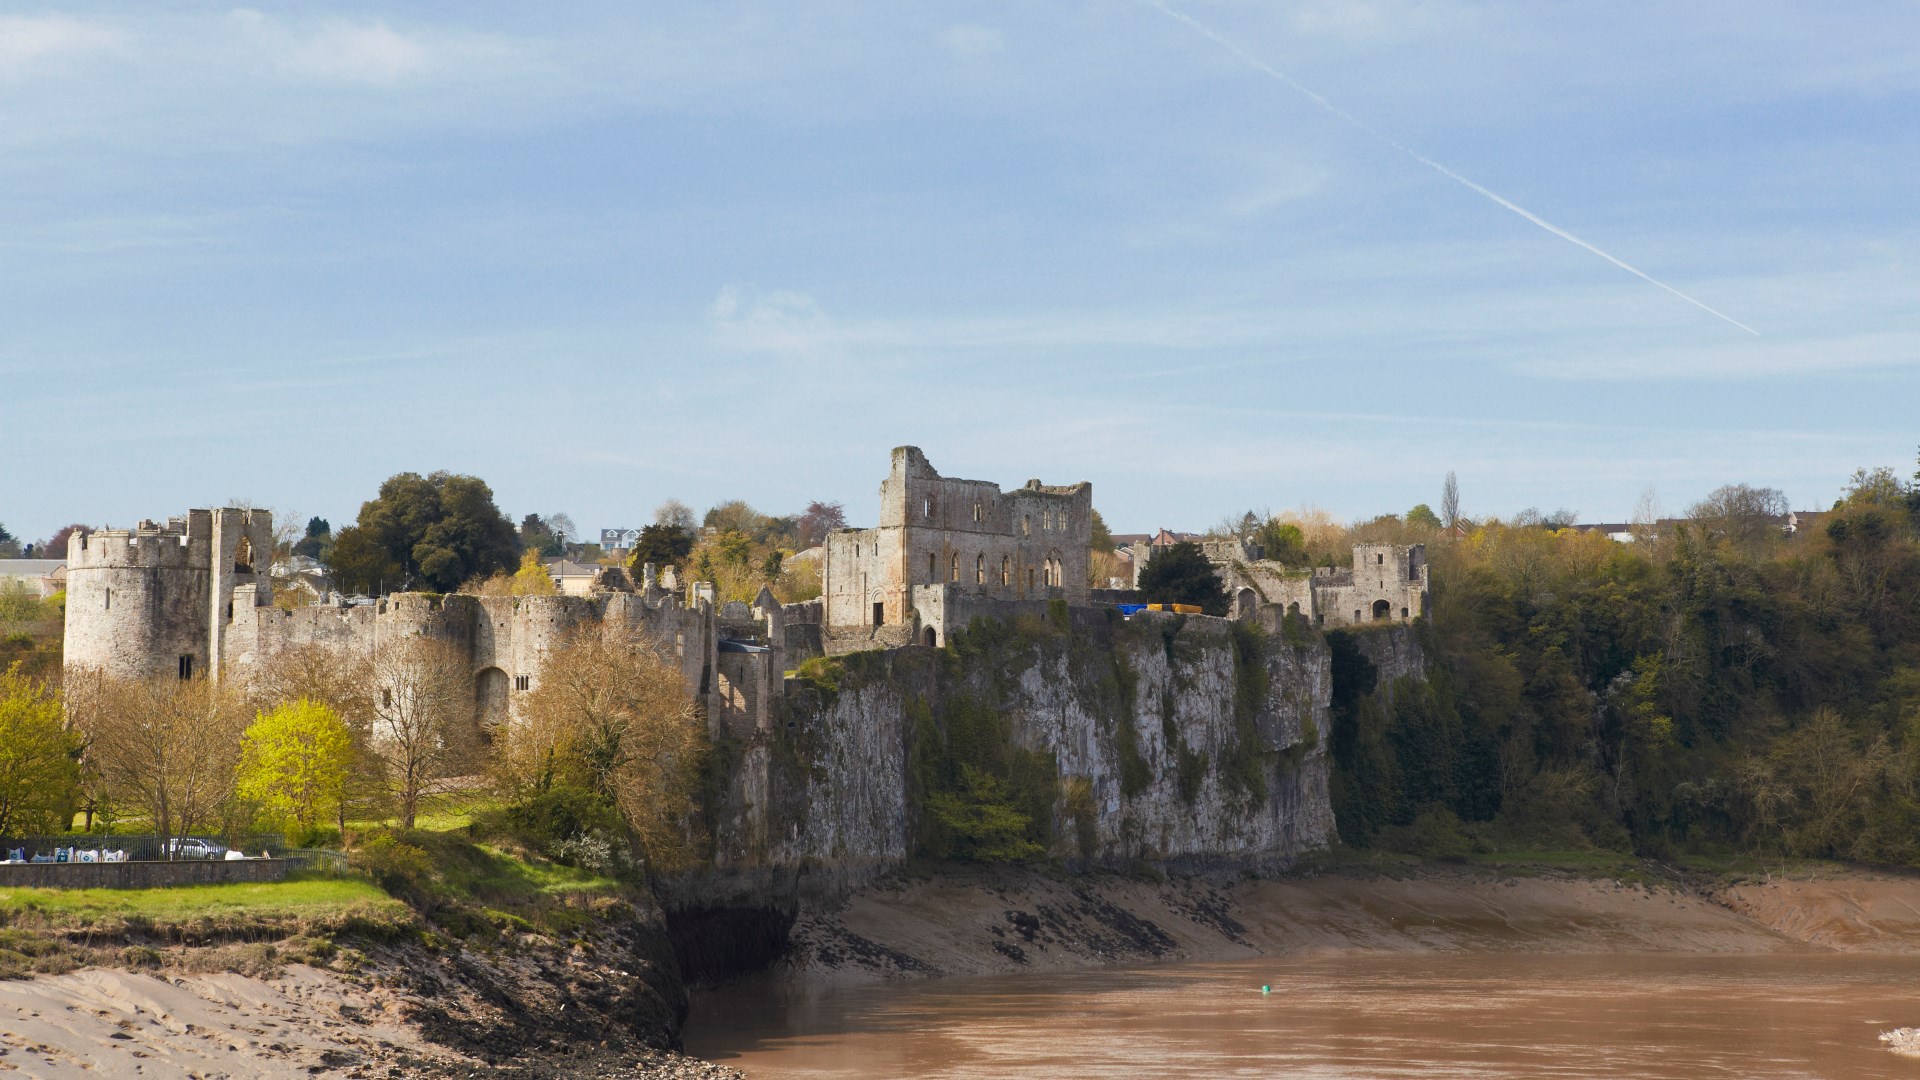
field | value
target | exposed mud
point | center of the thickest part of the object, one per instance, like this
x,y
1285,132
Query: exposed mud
x,y
978,922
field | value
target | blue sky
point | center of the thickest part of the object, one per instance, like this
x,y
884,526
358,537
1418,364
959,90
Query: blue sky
x,y
740,250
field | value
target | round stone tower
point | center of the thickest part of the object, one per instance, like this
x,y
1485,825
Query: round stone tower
x,y
156,599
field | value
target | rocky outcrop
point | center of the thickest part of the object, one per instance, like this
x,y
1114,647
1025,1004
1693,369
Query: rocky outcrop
x,y
1169,740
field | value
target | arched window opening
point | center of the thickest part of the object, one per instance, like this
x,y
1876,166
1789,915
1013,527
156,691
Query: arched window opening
x,y
1006,570
243,556
933,567
953,567
1381,610
926,507
1029,579
978,514
979,569
1026,525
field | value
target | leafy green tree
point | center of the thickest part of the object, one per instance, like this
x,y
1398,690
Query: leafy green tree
x,y
318,541
532,578
435,531
1182,574
980,820
1282,541
294,763
662,545
1099,537
39,758
9,547
538,534
1423,517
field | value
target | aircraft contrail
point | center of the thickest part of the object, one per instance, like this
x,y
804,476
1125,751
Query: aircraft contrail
x,y
1268,69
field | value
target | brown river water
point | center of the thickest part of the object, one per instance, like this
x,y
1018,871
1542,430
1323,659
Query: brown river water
x,y
1339,1016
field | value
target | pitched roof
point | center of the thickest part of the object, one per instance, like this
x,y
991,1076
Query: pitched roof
x,y
30,567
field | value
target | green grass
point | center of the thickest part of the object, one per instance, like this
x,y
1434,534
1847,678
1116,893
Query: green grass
x,y
313,899
445,813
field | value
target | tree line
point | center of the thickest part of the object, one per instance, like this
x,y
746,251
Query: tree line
x,y
315,743
1714,685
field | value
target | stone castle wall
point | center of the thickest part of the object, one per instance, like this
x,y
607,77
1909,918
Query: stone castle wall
x,y
1027,543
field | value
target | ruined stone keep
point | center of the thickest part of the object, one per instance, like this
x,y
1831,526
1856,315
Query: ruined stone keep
x,y
941,538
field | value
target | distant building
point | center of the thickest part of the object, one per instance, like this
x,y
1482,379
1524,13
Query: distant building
x,y
573,578
44,576
612,540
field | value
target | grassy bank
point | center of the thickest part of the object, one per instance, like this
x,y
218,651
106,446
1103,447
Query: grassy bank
x,y
297,898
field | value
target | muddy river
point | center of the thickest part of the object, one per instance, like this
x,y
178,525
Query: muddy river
x,y
1340,1015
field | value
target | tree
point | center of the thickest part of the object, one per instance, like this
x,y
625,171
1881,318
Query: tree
x,y
1423,517
661,545
819,519
342,680
318,541
422,719
55,546
294,763
163,746
1104,564
1282,542
674,514
434,531
612,717
538,535
39,758
532,578
9,547
1746,517
1450,502
1182,574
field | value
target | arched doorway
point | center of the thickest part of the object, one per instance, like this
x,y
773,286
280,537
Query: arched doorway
x,y
1244,601
929,638
1382,610
490,698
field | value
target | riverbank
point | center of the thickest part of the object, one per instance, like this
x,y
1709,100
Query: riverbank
x,y
1007,920
357,984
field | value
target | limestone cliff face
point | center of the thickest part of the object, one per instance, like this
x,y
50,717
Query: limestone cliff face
x,y
1162,739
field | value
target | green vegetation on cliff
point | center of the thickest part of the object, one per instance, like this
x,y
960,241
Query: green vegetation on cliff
x,y
1714,686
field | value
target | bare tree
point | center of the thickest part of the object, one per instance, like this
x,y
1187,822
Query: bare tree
x,y
1746,516
423,725
164,746
1450,502
674,514
613,716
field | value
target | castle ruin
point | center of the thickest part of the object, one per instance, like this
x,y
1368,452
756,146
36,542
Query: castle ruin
x,y
193,597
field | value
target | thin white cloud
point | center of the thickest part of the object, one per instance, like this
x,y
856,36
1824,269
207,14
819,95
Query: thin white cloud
x,y
34,42
782,322
363,52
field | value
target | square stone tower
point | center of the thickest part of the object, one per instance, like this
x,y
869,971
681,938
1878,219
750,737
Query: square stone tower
x,y
1026,544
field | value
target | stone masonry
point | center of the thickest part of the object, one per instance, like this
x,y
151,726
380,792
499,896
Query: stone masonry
x,y
939,534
